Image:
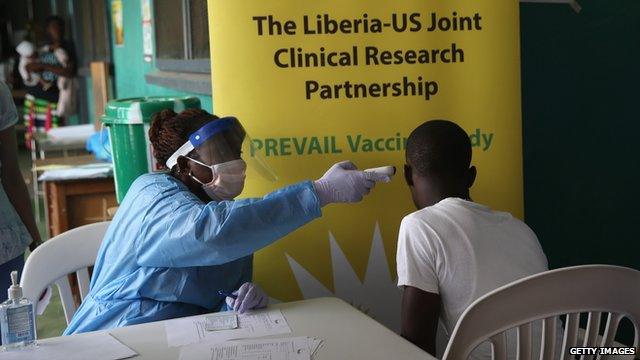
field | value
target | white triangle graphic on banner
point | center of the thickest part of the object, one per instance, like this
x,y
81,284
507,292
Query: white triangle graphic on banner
x,y
378,296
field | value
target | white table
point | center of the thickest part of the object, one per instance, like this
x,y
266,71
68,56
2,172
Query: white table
x,y
348,334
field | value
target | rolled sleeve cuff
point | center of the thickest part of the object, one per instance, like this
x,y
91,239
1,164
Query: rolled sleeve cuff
x,y
404,280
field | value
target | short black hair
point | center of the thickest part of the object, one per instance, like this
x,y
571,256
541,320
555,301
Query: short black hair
x,y
55,20
439,147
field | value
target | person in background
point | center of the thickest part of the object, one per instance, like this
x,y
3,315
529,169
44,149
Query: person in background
x,y
52,98
180,242
18,228
452,250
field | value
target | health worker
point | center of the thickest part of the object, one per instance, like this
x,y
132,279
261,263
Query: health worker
x,y
179,241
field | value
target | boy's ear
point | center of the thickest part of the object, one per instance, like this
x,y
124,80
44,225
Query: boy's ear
x,y
471,177
408,175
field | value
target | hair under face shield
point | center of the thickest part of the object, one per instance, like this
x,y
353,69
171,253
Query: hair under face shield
x,y
221,141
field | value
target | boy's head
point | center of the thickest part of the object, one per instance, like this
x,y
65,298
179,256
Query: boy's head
x,y
438,165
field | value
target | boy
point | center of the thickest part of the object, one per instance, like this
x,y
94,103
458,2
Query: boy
x,y
452,250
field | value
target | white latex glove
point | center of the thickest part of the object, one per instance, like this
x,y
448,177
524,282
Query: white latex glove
x,y
344,183
249,296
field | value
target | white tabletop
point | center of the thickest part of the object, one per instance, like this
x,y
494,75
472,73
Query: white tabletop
x,y
348,334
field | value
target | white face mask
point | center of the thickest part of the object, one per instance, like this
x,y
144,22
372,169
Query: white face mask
x,y
227,181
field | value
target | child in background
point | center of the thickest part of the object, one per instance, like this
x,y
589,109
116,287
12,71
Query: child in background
x,y
28,54
453,250
53,98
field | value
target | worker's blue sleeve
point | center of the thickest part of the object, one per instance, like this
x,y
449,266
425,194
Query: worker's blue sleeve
x,y
181,231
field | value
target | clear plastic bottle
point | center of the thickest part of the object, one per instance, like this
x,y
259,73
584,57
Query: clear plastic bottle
x,y
17,321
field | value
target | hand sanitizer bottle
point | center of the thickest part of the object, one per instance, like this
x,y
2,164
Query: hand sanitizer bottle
x,y
17,321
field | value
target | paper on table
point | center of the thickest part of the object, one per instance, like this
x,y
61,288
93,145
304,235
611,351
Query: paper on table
x,y
296,348
81,172
71,133
96,346
250,325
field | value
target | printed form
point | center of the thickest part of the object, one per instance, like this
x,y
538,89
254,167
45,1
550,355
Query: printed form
x,y
250,325
296,348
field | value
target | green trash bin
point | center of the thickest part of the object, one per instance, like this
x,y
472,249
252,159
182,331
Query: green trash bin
x,y
128,122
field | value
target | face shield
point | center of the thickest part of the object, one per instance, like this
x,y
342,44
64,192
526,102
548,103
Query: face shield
x,y
222,141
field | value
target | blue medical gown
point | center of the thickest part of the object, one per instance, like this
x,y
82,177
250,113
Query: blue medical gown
x,y
166,253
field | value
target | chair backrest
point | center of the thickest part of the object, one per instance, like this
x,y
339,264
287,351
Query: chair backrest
x,y
593,289
70,252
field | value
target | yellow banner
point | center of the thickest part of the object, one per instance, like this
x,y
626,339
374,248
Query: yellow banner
x,y
316,82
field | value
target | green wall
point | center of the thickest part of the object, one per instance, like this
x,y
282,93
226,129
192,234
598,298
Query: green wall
x,y
129,64
580,74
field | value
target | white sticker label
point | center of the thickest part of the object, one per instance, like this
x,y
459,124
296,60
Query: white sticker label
x,y
222,322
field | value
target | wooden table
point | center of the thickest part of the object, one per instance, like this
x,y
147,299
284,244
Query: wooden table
x,y
73,203
41,144
347,334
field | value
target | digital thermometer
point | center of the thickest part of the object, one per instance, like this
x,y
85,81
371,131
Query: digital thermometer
x,y
383,170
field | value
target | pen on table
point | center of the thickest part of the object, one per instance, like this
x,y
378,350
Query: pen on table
x,y
227,294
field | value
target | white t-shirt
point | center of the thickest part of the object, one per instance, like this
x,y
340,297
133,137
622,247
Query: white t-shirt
x,y
462,250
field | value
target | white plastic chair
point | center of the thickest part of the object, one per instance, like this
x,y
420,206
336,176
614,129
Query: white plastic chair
x,y
72,251
592,289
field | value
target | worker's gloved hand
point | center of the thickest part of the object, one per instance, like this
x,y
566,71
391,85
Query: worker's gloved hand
x,y
344,183
249,296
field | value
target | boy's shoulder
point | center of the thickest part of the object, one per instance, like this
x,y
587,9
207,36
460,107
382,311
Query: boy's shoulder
x,y
430,215
424,224
420,216
455,212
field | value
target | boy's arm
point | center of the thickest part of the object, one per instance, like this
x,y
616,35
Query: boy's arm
x,y
418,270
419,316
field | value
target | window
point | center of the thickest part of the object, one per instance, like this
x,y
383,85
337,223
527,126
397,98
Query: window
x,y
182,35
